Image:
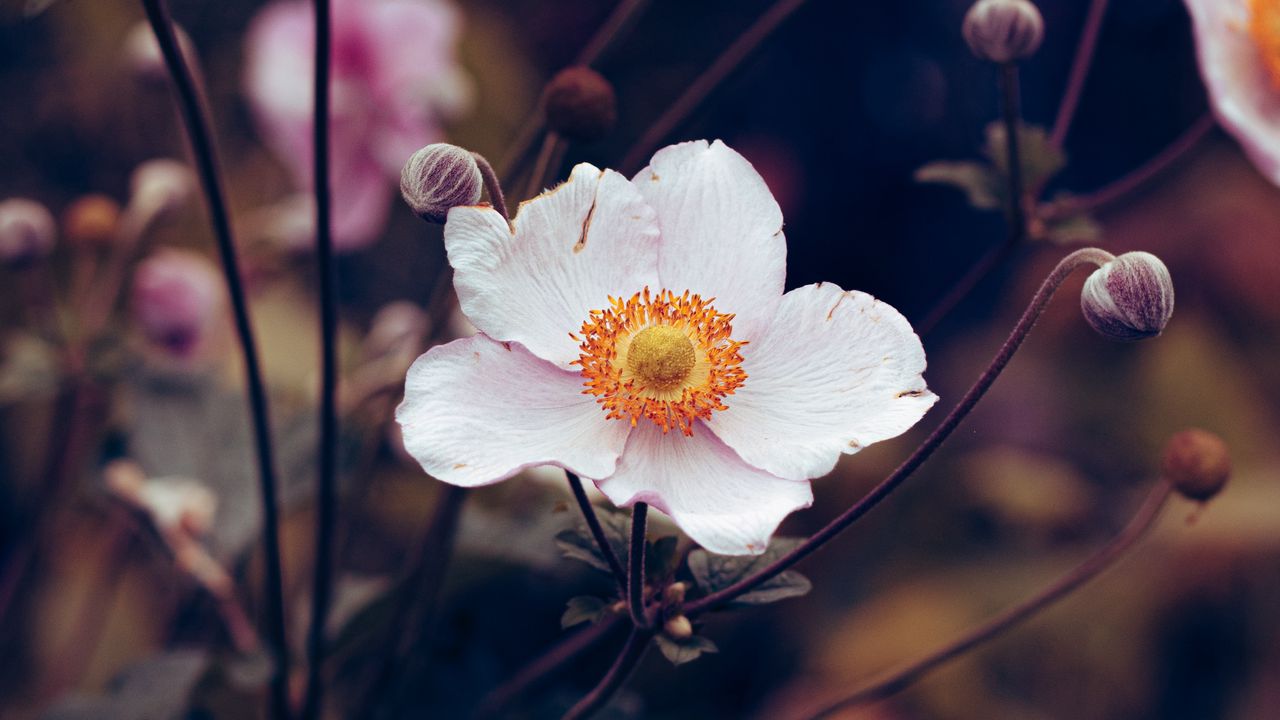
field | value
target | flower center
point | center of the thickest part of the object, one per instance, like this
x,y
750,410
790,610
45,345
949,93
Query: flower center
x,y
661,356
665,357
1264,28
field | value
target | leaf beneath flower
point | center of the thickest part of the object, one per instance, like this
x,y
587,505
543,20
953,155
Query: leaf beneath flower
x,y
979,183
583,608
680,652
577,543
716,572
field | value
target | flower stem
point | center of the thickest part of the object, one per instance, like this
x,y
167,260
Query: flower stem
x,y
731,59
202,146
492,185
1086,256
635,563
597,532
326,485
632,651
544,667
1102,559
1161,161
1079,71
550,148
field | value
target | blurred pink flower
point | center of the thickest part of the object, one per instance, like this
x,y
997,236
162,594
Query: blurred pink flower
x,y
709,393
394,77
1238,42
178,301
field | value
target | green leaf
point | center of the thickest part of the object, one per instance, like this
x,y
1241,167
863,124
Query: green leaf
x,y
577,543
1041,159
980,184
1079,229
661,559
680,652
715,572
583,608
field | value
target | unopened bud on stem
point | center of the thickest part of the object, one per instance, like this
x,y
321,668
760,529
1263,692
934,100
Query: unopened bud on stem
x,y
678,628
1197,464
581,104
439,177
159,187
92,221
1003,30
27,231
1129,298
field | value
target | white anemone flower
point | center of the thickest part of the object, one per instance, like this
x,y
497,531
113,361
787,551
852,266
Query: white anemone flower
x,y
636,333
1238,42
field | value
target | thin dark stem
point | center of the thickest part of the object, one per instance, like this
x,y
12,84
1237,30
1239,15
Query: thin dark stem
x,y
1079,71
535,182
958,292
202,146
597,532
632,651
544,667
1086,256
1011,115
635,564
1143,174
491,184
326,485
615,27
731,59
1104,558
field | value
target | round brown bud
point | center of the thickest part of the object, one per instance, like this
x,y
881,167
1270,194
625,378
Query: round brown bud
x,y
1003,30
439,177
27,231
678,628
91,220
1197,464
1129,298
581,104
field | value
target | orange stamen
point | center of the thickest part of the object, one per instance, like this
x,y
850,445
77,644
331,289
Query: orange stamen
x,y
1264,28
669,400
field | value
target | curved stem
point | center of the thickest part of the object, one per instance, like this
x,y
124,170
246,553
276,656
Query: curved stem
x,y
1143,174
202,147
632,651
1079,71
1086,256
597,532
731,59
492,185
326,486
544,667
635,563
1104,558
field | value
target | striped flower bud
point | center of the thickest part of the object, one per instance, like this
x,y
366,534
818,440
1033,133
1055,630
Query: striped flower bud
x,y
1129,298
1003,30
439,177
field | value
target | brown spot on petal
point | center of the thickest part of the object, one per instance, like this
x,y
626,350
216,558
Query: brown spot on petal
x,y
833,307
459,466
507,346
586,226
911,393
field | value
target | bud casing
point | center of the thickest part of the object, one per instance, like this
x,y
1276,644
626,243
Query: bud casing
x,y
1197,463
581,104
92,221
1129,298
439,177
1003,30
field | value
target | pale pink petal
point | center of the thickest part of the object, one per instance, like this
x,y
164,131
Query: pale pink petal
x,y
477,411
416,45
834,372
1245,97
721,230
573,247
724,504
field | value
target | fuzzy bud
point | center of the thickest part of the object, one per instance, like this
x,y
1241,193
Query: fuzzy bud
x,y
439,177
1197,464
678,628
1003,30
159,187
27,231
178,300
581,104
1129,298
92,221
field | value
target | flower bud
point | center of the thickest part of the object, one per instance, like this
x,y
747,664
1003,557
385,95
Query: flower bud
x,y
1197,464
439,177
1003,30
27,231
1129,298
178,299
581,104
92,220
158,187
678,628
674,594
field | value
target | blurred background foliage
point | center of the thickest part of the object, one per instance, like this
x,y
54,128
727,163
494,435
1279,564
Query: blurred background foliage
x,y
837,111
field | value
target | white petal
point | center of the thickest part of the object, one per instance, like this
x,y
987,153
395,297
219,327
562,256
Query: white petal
x,y
721,230
834,372
574,246
721,502
1245,98
477,411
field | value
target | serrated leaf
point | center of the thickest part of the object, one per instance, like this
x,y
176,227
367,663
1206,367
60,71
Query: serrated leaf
x,y
715,572
661,559
680,652
577,543
980,184
583,608
1040,158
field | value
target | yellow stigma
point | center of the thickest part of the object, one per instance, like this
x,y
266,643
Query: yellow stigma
x,y
661,357
1264,28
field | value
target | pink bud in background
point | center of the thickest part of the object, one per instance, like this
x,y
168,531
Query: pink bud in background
x,y
27,231
178,302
